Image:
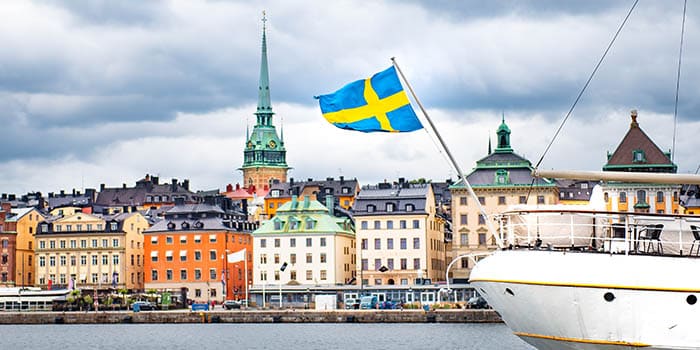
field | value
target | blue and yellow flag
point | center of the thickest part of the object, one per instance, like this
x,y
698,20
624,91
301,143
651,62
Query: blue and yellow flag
x,y
378,103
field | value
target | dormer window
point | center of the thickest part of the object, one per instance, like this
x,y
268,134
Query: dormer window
x,y
345,190
390,207
185,225
638,156
171,225
501,177
310,223
293,224
410,207
371,208
278,224
113,226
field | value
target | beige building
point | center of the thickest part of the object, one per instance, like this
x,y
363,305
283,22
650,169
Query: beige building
x,y
400,239
500,179
93,251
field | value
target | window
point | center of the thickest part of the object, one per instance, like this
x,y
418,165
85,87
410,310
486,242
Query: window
x,y
212,274
42,261
309,275
482,200
623,197
293,224
277,242
365,265
183,274
113,226
402,224
154,256
197,274
263,243
293,275
168,255
404,264
416,264
390,207
197,255
416,243
377,264
377,224
377,243
52,244
364,244
309,224
323,275
363,224
482,238
277,275
390,224
61,244
416,224
390,263
115,243
42,244
464,239
197,239
462,200
403,243
83,243
154,275
73,260
463,219
641,197
169,274
212,238
105,260
371,208
323,257
278,225
212,255
83,260
389,243
659,197
308,242
464,262
169,240
501,200
292,242
183,255
482,219
323,241
410,207
309,258
183,239
93,259
105,243
115,260
540,199
292,258
69,227
638,156
277,258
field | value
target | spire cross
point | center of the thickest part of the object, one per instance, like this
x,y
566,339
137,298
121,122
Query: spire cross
x,y
264,19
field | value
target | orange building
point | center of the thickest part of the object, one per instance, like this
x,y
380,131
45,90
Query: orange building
x,y
186,253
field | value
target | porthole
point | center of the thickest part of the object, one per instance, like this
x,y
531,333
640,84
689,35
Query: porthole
x,y
609,296
691,299
510,292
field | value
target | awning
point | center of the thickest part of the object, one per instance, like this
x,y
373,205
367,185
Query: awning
x,y
183,253
154,254
154,240
212,237
168,253
197,237
183,238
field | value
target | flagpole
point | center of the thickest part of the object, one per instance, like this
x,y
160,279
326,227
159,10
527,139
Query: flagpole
x,y
245,257
489,225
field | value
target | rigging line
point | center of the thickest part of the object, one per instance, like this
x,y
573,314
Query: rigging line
x,y
678,84
568,114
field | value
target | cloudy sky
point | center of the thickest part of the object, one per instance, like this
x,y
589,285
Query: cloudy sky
x,y
106,92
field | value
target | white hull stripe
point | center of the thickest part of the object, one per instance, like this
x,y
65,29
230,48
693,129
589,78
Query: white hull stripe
x,y
587,285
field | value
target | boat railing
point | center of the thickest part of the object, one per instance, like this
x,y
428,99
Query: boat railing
x,y
601,231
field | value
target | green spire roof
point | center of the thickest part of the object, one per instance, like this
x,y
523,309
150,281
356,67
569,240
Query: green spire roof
x,y
264,111
503,132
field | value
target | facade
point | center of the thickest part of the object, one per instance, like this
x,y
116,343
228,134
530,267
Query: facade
x,y
93,251
25,222
305,244
638,153
8,239
342,190
401,240
500,179
264,156
575,192
186,252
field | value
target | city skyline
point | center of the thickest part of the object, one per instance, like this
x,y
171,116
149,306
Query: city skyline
x,y
105,93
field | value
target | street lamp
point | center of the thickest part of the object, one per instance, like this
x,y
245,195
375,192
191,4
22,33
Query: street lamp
x,y
282,268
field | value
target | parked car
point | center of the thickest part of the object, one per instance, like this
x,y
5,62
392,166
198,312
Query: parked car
x,y
477,302
352,304
231,304
143,306
368,302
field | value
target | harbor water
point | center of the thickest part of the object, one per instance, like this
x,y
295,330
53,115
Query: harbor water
x,y
262,336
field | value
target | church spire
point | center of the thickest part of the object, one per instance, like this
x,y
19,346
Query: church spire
x,y
264,111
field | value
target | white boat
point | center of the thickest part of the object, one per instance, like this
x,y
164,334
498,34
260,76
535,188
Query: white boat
x,y
585,278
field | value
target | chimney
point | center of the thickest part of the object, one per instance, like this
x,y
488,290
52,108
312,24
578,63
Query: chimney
x,y
329,179
63,193
186,184
102,187
291,181
50,195
294,202
310,179
4,196
124,186
244,204
306,202
342,179
229,187
329,204
6,207
154,180
74,192
173,185
11,197
77,193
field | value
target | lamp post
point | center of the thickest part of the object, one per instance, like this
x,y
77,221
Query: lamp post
x,y
282,268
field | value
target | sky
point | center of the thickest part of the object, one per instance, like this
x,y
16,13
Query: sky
x,y
105,92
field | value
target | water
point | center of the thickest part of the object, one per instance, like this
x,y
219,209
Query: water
x,y
262,336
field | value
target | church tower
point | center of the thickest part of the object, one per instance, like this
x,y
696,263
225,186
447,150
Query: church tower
x,y
264,156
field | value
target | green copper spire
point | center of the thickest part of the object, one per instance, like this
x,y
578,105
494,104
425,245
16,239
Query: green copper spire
x,y
503,132
264,111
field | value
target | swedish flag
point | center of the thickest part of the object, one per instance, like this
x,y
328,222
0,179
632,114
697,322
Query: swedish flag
x,y
378,103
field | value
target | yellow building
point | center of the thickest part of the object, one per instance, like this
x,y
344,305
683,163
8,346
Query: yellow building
x,y
94,251
26,220
501,179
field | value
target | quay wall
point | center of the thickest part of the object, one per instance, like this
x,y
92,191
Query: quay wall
x,y
253,316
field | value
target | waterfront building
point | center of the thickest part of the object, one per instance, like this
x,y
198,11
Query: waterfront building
x,y
501,179
575,192
306,244
400,237
29,200
74,199
342,190
186,251
24,222
638,153
93,251
264,156
8,240
148,193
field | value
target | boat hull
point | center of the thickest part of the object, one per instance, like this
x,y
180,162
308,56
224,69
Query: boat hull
x,y
572,300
